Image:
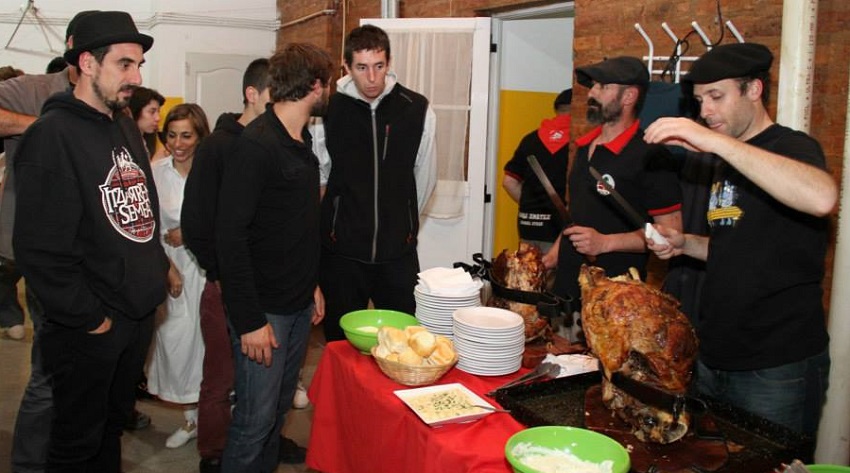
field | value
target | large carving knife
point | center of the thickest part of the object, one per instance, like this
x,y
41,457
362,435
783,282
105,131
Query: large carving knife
x,y
630,211
566,221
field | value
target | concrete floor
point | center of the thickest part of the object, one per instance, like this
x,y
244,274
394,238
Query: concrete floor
x,y
143,451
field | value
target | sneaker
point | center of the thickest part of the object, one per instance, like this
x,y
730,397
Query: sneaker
x,y
290,453
210,465
16,332
300,401
137,421
182,436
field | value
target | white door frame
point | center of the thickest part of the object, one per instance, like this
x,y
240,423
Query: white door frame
x,y
558,9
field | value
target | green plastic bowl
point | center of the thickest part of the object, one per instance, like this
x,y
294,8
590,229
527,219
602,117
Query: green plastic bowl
x,y
828,468
584,444
352,322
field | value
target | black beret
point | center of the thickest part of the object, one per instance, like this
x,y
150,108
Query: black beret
x,y
730,61
564,98
625,70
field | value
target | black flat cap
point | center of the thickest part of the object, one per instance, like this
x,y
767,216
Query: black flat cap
x,y
102,28
625,70
564,98
730,61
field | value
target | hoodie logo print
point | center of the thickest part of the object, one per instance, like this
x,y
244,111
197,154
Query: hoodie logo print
x,y
125,198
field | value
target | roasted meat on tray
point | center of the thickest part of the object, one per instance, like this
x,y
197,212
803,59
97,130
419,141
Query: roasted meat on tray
x,y
638,331
523,270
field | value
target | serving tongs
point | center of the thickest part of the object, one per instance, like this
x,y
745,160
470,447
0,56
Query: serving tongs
x,y
543,370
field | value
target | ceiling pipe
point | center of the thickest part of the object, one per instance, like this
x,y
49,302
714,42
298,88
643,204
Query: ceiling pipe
x,y
389,8
326,12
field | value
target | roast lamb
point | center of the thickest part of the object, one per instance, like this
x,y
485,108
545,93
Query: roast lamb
x,y
522,270
638,331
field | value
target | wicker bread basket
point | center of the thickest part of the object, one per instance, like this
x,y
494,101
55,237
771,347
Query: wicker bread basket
x,y
413,375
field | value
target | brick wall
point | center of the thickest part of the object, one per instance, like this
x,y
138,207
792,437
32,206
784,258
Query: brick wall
x,y
605,28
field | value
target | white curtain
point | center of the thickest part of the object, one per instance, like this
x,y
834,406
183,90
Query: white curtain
x,y
438,65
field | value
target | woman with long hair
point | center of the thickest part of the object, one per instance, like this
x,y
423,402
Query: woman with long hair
x,y
176,358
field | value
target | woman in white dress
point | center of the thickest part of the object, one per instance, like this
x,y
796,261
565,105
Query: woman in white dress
x,y
176,358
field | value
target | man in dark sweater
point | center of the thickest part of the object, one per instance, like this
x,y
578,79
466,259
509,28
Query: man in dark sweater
x,y
380,164
268,254
85,239
198,214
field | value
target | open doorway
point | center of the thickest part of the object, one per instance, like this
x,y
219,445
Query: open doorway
x,y
531,62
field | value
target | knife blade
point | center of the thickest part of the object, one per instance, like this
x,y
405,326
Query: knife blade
x,y
629,210
657,397
566,221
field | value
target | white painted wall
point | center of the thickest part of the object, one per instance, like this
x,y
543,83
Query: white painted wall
x,y
179,27
531,61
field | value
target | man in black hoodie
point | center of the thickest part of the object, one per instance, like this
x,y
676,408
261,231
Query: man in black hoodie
x,y
85,240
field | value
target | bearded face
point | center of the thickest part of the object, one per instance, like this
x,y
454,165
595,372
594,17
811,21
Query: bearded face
x,y
605,110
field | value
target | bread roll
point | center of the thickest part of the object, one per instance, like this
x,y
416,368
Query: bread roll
x,y
423,343
411,330
409,357
393,339
443,354
381,351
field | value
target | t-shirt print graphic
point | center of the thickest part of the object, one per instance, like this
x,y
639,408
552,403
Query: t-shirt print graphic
x,y
125,198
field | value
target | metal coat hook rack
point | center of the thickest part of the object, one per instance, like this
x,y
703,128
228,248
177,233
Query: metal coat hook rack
x,y
650,58
31,9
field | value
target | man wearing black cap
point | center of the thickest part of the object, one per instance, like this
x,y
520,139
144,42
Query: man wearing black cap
x,y
85,239
21,100
537,221
763,339
642,173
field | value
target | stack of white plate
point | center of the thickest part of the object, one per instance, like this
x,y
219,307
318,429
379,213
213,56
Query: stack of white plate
x,y
488,341
434,311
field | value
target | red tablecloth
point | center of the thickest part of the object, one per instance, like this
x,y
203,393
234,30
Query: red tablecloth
x,y
360,426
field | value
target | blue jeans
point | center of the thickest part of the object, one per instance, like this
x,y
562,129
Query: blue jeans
x,y
264,394
791,395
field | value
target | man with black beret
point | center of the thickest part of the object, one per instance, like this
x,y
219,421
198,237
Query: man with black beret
x,y
642,173
537,220
87,242
763,339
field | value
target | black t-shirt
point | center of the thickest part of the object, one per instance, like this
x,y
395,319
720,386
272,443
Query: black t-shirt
x,y
762,300
645,176
537,218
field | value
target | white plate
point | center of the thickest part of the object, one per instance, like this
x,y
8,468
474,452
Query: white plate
x,y
488,318
419,396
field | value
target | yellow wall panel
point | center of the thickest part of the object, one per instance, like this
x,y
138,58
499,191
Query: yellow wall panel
x,y
519,113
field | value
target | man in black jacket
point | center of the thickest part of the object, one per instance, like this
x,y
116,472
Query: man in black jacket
x,y
85,240
200,205
379,146
267,231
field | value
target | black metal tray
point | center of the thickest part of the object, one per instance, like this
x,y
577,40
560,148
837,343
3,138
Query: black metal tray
x,y
561,402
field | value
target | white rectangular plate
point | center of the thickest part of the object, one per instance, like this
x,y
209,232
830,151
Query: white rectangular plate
x,y
444,404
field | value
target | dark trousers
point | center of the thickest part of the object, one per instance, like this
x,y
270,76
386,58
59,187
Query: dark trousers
x,y
217,381
348,285
11,313
94,379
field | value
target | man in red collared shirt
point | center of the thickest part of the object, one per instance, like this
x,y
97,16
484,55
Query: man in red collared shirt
x,y
642,173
